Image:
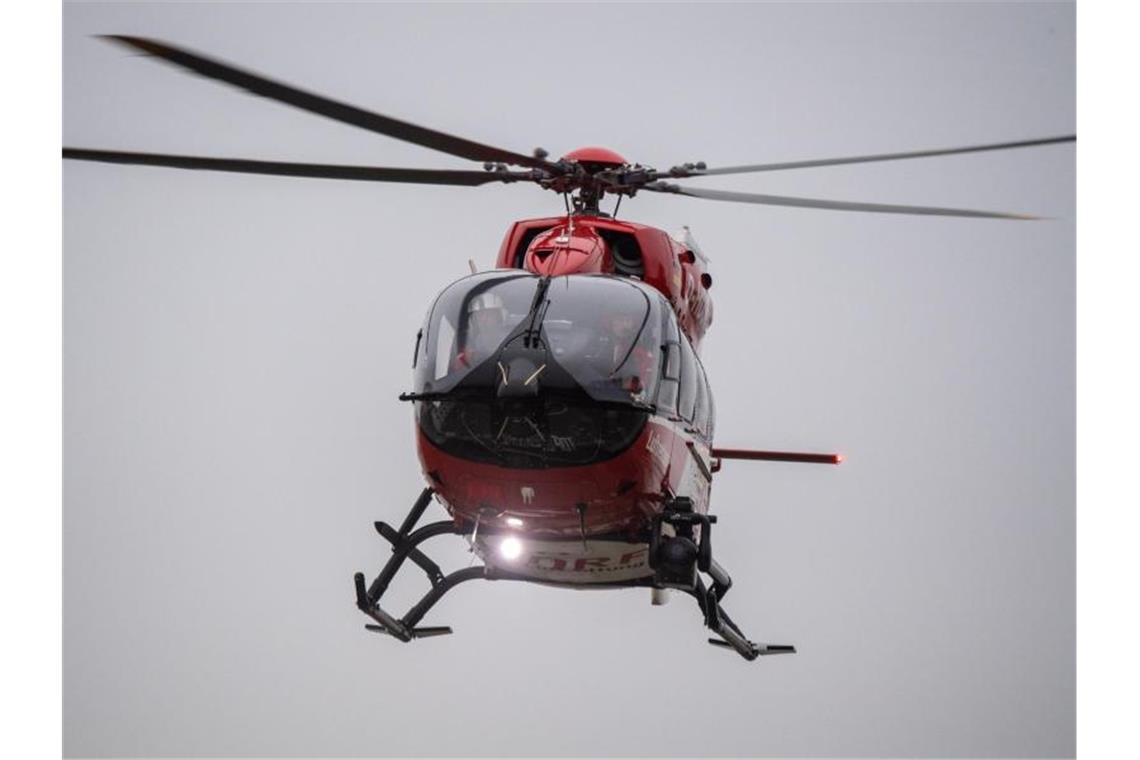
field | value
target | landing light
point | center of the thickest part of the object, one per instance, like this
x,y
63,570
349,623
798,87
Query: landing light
x,y
514,522
510,548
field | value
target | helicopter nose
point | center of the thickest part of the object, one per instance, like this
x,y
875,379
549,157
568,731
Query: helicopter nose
x,y
519,378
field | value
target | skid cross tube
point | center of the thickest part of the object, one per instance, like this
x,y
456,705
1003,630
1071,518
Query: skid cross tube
x,y
404,546
416,613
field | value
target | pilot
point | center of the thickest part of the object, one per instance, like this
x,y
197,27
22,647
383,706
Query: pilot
x,y
486,328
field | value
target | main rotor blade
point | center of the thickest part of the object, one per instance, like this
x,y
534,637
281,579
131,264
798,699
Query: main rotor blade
x,y
684,172
288,169
374,122
782,200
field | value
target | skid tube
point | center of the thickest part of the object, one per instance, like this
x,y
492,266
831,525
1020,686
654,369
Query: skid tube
x,y
678,513
405,542
404,546
731,637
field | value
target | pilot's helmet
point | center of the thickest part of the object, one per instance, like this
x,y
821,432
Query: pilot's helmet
x,y
487,311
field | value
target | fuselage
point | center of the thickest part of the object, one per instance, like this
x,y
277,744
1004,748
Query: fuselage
x,y
559,399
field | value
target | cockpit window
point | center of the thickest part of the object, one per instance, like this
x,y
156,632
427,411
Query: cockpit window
x,y
601,331
468,323
604,332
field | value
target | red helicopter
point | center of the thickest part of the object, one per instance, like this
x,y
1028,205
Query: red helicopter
x,y
564,419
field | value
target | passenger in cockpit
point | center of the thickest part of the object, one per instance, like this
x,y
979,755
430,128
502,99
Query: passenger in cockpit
x,y
636,359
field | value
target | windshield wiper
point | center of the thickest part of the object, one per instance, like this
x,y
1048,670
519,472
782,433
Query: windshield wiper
x,y
536,314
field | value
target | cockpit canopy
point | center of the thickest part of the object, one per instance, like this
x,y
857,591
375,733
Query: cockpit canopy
x,y
604,333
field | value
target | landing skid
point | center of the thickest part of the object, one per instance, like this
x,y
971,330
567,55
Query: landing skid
x,y
731,637
406,540
680,515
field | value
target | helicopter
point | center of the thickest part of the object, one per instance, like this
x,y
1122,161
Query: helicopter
x,y
563,417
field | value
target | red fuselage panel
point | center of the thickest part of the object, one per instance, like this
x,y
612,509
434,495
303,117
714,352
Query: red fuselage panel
x,y
620,493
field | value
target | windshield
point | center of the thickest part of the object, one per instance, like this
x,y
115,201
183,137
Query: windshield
x,y
603,332
599,329
467,324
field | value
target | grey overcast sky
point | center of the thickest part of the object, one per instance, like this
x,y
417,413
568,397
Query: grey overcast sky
x,y
234,346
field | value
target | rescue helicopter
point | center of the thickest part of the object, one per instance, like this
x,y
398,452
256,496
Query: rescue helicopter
x,y
563,417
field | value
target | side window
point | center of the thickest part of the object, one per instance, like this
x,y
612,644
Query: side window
x,y
444,348
701,412
671,366
710,409
689,381
669,388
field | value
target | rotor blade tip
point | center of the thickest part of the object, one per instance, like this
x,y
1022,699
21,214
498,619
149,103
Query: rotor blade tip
x,y
126,40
